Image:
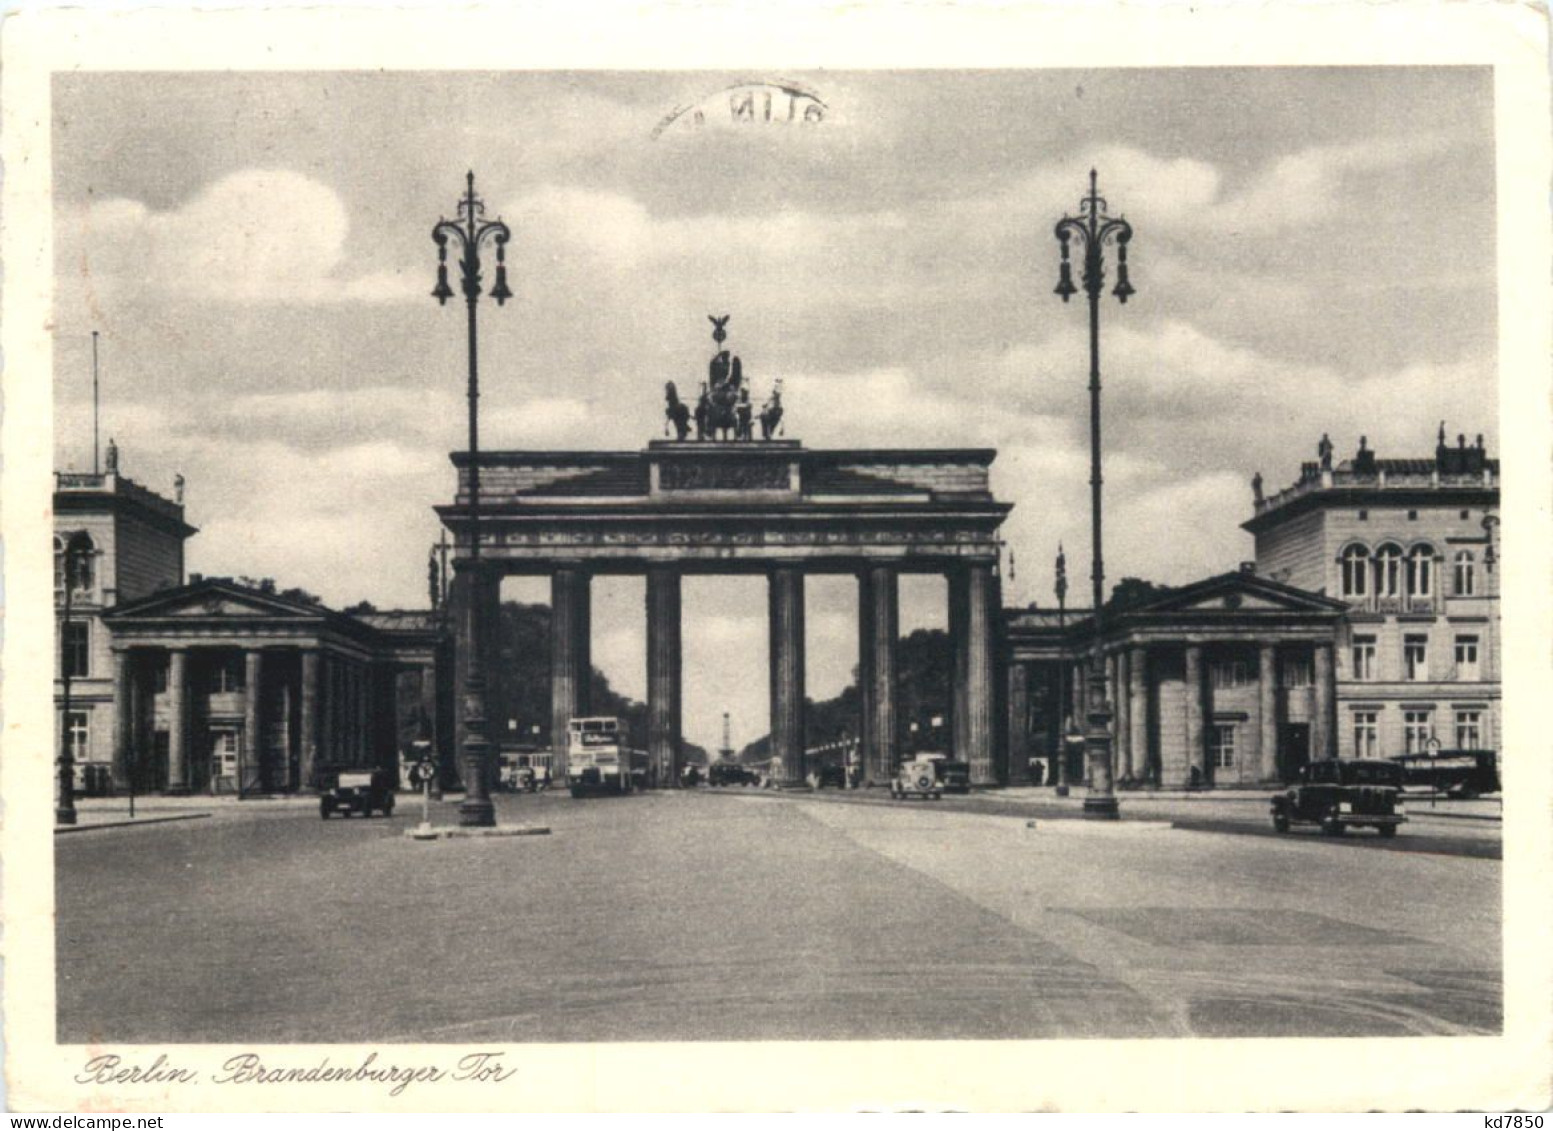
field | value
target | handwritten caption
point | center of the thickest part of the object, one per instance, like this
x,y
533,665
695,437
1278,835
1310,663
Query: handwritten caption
x,y
250,1068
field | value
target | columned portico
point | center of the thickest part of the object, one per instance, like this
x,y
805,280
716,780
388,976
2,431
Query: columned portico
x,y
770,508
664,672
1219,683
787,674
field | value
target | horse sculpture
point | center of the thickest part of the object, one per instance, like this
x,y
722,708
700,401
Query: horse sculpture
x,y
771,414
675,412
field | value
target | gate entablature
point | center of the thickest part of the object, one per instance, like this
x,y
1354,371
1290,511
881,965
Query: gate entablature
x,y
732,506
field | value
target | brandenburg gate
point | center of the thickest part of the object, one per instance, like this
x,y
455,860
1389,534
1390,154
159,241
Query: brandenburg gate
x,y
743,505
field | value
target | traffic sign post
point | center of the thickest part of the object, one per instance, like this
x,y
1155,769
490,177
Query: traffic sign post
x,y
421,774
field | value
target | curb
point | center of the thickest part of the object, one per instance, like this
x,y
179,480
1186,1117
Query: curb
x,y
60,829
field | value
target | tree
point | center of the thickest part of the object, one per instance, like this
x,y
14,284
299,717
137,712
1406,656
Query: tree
x,y
1134,593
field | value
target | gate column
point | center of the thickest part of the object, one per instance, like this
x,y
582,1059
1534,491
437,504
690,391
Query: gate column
x,y
879,606
981,696
959,639
664,660
570,664
787,674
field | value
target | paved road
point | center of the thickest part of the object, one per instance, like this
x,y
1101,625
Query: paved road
x,y
1427,830
694,917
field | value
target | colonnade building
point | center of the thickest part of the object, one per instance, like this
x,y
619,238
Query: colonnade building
x,y
216,685
1366,627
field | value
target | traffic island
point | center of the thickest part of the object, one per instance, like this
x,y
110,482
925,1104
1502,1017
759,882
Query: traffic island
x,y
1073,826
427,832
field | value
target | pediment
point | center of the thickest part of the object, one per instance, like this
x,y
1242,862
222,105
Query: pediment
x,y
205,602
1242,593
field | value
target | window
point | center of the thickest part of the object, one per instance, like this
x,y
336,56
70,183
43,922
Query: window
x,y
85,566
1466,574
1412,516
1364,516
1229,673
1466,657
1221,745
1415,657
1417,730
1356,567
1388,571
1469,730
1365,734
1420,571
1364,657
75,650
227,674
159,679
1297,671
80,726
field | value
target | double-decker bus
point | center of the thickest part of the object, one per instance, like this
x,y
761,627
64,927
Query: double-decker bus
x,y
598,760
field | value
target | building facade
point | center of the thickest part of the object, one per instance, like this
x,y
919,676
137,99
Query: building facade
x,y
1409,546
223,686
1226,682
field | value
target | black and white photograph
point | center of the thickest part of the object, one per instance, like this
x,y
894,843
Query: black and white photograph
x,y
905,566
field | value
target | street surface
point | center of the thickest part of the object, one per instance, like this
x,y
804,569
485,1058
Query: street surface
x,y
741,914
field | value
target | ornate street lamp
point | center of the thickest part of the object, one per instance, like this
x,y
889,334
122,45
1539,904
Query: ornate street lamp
x,y
1093,229
469,231
77,548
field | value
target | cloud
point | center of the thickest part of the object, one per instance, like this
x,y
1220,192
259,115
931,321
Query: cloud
x,y
251,237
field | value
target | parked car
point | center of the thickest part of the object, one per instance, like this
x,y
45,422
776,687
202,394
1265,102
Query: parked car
x,y
918,776
356,791
953,777
1338,795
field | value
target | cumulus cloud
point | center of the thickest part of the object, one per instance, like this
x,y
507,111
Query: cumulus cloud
x,y
253,236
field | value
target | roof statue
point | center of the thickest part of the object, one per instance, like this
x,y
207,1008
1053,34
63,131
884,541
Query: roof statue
x,y
725,408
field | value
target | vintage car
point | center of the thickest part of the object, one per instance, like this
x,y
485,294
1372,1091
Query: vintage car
x,y
731,773
953,777
1337,795
361,791
918,776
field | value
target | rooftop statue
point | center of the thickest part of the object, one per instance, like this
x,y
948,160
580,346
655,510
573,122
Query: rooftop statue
x,y
724,410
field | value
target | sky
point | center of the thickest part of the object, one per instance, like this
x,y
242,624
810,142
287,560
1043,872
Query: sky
x,y
1313,252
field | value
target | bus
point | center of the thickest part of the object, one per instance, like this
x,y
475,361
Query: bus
x,y
598,760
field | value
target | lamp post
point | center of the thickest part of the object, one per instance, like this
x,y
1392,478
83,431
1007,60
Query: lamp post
x,y
76,547
469,231
1093,229
1063,720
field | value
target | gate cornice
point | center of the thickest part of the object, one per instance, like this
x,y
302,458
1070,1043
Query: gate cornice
x,y
735,505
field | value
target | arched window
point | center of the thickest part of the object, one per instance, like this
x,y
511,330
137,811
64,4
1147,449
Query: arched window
x,y
1388,571
1466,573
1356,567
1420,571
85,564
